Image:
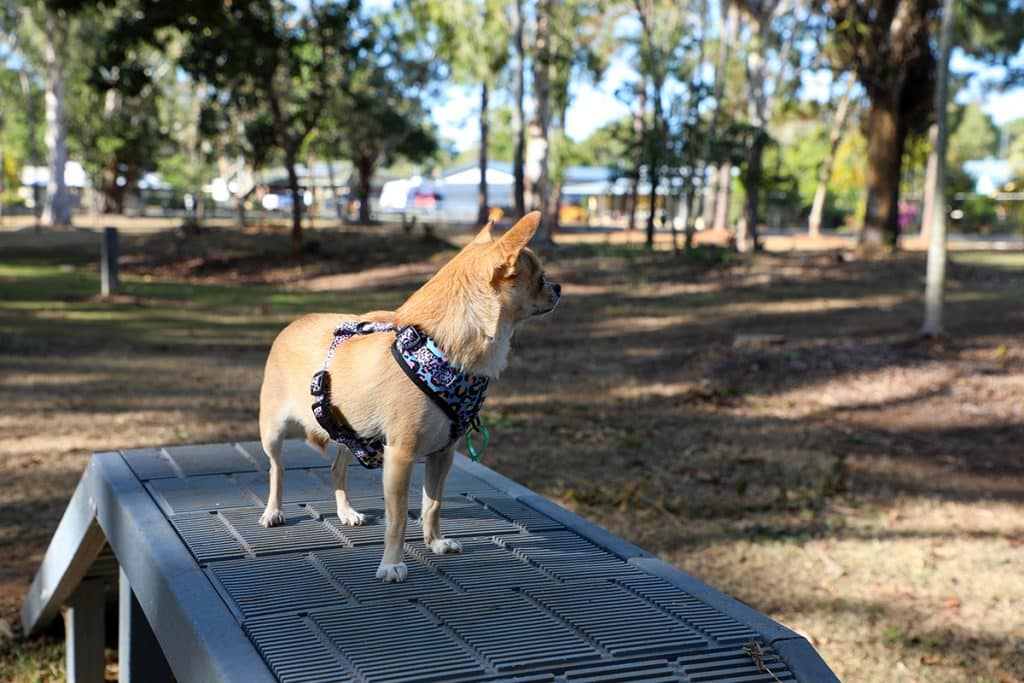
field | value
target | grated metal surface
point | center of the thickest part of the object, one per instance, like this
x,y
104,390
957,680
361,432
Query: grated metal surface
x,y
695,613
638,628
529,600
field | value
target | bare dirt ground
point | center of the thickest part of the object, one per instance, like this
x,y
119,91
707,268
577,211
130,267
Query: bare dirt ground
x,y
864,489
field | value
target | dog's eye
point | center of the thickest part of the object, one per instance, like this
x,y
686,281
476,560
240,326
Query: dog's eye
x,y
540,282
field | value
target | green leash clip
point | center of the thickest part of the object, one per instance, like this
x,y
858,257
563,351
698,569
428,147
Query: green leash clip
x,y
477,426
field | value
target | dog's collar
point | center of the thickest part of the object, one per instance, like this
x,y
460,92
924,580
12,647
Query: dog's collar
x,y
458,394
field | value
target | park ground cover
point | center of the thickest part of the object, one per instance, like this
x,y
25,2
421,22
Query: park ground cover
x,y
862,488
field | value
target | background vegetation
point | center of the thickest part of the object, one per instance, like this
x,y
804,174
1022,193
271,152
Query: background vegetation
x,y
733,381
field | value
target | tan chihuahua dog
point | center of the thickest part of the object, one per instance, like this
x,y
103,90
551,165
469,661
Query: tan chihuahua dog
x,y
469,309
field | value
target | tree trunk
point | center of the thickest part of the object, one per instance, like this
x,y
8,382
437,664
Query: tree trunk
x,y
483,212
885,156
639,127
935,279
652,198
728,36
364,165
656,133
723,197
518,115
825,173
240,212
311,179
747,235
334,192
298,241
758,107
555,209
928,200
57,202
538,144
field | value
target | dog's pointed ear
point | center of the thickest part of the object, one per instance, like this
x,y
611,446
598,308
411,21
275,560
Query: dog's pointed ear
x,y
513,242
484,236
519,235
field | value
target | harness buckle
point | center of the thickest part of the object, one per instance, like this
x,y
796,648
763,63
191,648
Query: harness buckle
x,y
321,384
410,338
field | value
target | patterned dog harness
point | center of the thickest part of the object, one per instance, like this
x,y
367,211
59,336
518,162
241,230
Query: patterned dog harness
x,y
458,394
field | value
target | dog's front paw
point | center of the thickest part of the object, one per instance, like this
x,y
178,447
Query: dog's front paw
x,y
445,546
392,573
271,518
351,517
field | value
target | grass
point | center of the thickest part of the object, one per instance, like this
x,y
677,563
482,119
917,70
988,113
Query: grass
x,y
864,489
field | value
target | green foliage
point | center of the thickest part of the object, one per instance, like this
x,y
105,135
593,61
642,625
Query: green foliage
x,y
471,36
1015,151
22,119
973,136
979,214
380,115
610,146
115,131
801,156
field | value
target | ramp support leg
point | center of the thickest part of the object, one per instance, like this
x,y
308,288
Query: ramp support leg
x,y
140,659
84,632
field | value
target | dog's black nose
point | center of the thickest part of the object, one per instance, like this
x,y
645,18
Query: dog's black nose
x,y
557,289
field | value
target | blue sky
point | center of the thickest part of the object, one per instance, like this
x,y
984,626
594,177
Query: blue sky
x,y
594,105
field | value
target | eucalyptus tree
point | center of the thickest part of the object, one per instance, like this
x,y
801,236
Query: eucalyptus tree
x,y
115,115
935,277
890,46
772,28
538,130
272,61
570,38
472,37
516,30
887,43
835,136
665,58
582,44
43,30
21,96
381,114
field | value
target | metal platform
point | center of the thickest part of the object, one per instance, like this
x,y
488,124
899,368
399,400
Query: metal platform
x,y
538,595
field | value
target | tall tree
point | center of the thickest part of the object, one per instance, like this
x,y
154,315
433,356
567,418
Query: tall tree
x,y
835,136
538,137
459,26
772,30
380,115
936,273
719,189
518,113
653,69
887,43
268,58
115,121
44,30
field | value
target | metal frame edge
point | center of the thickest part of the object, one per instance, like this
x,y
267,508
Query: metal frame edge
x,y
200,638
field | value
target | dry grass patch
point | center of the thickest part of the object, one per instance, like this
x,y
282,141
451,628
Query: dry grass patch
x,y
865,490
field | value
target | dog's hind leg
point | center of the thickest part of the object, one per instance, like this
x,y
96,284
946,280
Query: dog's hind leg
x,y
272,439
339,471
435,471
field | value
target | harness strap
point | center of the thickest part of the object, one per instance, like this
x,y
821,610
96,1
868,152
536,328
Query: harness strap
x,y
409,338
369,452
458,394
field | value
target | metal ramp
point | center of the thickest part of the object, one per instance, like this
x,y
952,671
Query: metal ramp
x,y
204,593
